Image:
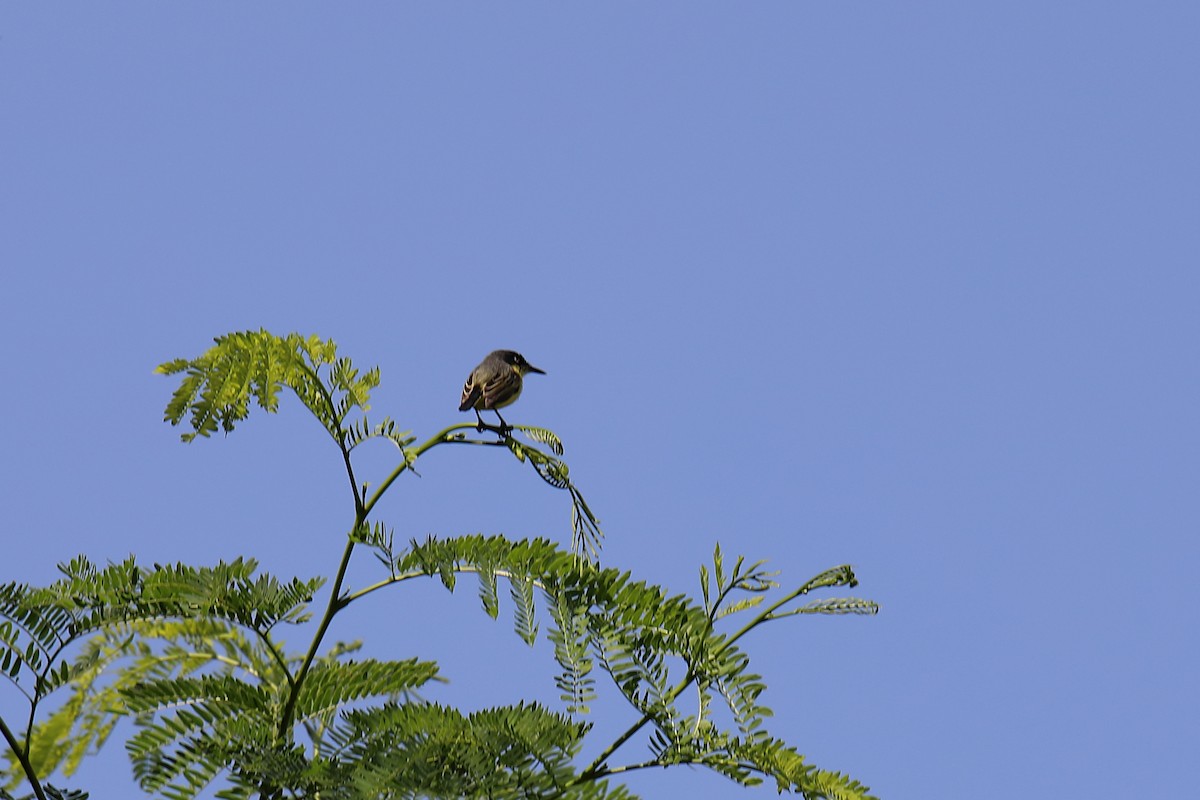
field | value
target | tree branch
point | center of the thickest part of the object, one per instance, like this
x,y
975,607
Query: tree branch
x,y
22,755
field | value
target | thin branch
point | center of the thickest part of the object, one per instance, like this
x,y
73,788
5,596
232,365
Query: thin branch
x,y
443,436
406,576
358,500
338,433
315,375
23,757
279,659
716,606
764,616
39,686
289,709
596,768
336,601
33,704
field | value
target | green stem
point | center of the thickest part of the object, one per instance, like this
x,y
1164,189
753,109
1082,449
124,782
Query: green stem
x,y
411,455
289,709
596,768
37,695
358,502
336,601
337,433
22,755
657,763
407,576
763,616
274,651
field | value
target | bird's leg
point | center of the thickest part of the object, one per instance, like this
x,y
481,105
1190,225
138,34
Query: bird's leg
x,y
503,430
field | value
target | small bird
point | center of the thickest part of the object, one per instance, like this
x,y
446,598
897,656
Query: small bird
x,y
496,383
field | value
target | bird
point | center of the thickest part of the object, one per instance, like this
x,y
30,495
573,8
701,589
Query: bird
x,y
496,383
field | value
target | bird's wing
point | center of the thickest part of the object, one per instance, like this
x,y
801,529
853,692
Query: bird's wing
x,y
471,394
501,390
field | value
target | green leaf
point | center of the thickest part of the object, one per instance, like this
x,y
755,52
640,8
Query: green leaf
x,y
833,605
522,595
586,536
426,750
545,436
331,685
219,385
740,605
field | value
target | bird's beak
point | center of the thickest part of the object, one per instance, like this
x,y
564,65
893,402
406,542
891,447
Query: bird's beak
x,y
532,368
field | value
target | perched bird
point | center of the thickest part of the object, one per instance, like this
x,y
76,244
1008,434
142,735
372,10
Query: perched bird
x,y
496,383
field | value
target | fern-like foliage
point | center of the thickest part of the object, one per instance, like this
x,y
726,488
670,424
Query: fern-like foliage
x,y
640,636
201,674
586,536
33,636
196,728
128,654
396,750
194,608
544,436
219,385
427,750
332,685
92,597
569,635
38,624
194,722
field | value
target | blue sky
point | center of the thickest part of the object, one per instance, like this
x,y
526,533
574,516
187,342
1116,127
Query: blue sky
x,y
913,288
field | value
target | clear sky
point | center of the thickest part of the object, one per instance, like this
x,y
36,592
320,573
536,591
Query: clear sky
x,y
908,286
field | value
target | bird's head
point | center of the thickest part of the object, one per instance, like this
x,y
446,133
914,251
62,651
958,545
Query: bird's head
x,y
518,363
